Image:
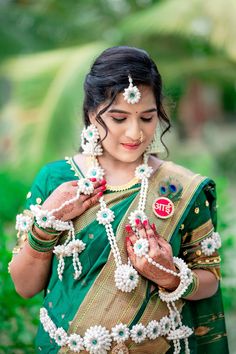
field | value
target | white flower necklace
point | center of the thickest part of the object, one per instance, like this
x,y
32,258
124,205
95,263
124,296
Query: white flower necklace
x,y
126,277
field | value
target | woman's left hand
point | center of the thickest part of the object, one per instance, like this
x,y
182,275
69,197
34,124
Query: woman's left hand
x,y
159,250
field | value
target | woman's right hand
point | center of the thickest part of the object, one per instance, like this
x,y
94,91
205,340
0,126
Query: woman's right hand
x,y
67,191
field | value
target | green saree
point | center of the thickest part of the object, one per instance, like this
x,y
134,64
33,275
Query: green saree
x,y
93,299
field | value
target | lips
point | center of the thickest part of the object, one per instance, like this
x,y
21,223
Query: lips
x,y
130,146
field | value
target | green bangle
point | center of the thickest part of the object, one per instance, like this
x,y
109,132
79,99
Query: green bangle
x,y
47,231
193,287
41,245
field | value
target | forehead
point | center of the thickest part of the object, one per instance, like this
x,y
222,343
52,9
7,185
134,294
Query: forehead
x,y
147,101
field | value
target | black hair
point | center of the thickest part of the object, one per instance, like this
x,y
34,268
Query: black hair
x,y
109,76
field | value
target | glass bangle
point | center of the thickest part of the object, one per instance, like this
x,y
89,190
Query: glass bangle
x,y
193,287
47,231
40,245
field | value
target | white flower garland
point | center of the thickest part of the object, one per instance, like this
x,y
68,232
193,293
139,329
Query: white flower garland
x,y
120,333
211,244
23,223
98,339
46,219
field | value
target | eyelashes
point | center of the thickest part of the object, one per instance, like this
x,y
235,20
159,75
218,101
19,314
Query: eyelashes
x,y
120,120
146,119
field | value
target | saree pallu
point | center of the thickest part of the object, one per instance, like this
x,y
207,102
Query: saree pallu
x,y
75,305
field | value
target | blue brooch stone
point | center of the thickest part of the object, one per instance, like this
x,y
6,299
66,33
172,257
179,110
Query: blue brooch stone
x,y
170,188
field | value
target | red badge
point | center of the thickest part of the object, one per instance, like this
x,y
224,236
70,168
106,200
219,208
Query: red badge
x,y
163,208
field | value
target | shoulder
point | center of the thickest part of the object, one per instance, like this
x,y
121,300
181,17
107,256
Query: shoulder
x,y
172,168
55,166
49,177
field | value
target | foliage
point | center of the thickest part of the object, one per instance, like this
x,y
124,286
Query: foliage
x,y
46,94
32,26
18,317
206,164
195,19
227,162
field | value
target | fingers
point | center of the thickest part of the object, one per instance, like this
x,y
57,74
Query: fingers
x,y
140,228
90,201
130,234
164,245
144,231
99,189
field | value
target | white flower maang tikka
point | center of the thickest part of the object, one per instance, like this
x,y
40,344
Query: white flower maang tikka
x,y
131,93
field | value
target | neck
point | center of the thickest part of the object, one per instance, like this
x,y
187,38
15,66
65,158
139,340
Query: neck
x,y
118,172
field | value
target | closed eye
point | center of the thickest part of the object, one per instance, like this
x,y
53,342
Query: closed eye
x,y
118,120
146,119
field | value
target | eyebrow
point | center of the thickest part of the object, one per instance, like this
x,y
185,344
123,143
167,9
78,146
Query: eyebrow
x,y
121,111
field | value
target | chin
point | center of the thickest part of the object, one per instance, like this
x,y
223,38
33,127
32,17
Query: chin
x,y
129,158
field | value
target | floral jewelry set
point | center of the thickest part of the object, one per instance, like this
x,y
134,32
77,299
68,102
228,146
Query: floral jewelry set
x,y
98,339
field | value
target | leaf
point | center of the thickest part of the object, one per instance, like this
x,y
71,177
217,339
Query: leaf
x,y
47,95
211,21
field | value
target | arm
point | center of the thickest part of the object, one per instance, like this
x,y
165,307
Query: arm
x,y
208,285
30,269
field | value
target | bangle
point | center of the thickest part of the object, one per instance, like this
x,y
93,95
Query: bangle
x,y
51,232
41,245
186,279
46,219
193,287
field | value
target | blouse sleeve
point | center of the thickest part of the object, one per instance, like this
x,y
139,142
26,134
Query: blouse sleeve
x,y
39,191
40,188
200,241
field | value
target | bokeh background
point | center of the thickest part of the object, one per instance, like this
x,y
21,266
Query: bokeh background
x,y
46,48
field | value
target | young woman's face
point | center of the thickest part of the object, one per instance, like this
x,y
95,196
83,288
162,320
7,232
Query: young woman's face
x,y
131,127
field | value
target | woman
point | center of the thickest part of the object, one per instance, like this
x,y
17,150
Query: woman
x,y
142,247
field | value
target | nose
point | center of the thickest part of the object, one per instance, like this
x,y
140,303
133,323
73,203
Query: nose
x,y
133,131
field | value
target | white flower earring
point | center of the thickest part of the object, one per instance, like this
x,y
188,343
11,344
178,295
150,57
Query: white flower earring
x,y
156,147
131,93
90,141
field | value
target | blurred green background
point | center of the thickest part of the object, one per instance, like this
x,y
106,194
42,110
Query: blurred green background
x,y
46,48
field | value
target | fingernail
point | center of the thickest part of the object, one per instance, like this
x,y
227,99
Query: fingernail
x,y
137,221
103,188
128,228
103,181
154,227
145,222
100,194
93,179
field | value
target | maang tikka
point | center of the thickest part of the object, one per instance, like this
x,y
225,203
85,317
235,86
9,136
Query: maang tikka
x,y
131,93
